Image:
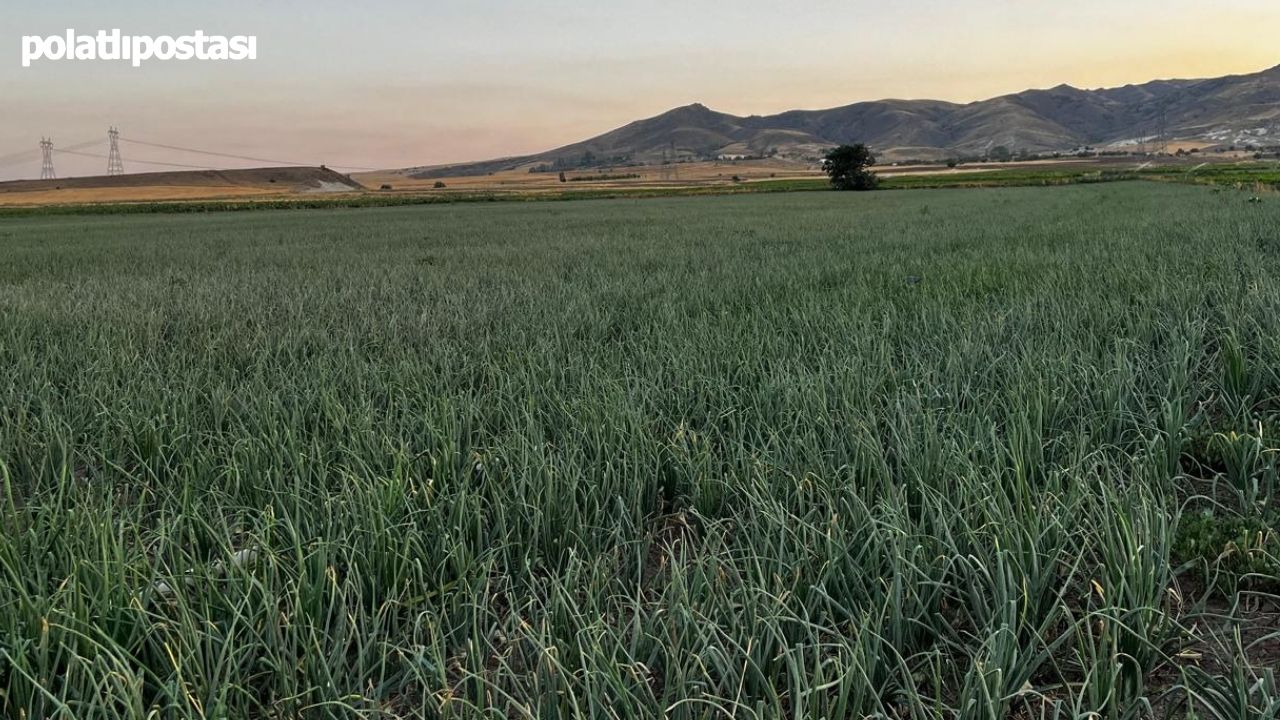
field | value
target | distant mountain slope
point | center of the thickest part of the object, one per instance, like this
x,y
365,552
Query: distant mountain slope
x,y
1236,109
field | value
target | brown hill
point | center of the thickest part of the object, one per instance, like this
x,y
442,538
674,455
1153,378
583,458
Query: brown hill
x,y
1239,110
285,179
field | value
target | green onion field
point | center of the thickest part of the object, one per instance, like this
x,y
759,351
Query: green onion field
x,y
1003,453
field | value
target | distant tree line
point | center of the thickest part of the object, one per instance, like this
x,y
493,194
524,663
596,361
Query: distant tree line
x,y
587,159
603,176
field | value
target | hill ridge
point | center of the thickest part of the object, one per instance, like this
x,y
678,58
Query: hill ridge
x,y
1233,109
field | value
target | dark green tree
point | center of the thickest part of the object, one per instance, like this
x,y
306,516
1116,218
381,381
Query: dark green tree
x,y
847,166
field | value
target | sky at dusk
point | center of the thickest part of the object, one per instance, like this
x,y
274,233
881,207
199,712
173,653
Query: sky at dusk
x,y
388,83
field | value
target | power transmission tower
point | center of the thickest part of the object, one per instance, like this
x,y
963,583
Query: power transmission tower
x,y
1162,143
664,170
46,160
115,166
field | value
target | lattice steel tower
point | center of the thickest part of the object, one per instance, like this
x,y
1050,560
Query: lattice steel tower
x,y
1162,135
115,166
46,159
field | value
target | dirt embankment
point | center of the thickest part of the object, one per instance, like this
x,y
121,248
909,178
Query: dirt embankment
x,y
185,185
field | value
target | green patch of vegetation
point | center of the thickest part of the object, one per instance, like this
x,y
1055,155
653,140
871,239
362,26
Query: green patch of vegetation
x,y
1230,549
1247,176
787,185
1029,177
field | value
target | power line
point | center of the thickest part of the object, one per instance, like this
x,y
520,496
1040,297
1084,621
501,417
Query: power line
x,y
233,156
115,165
81,146
210,152
18,158
144,162
27,156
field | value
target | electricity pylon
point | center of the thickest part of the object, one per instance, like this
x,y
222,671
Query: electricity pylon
x,y
46,160
115,166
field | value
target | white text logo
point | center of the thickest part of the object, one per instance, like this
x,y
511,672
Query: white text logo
x,y
137,48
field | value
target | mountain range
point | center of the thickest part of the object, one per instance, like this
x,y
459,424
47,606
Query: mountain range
x,y
1237,109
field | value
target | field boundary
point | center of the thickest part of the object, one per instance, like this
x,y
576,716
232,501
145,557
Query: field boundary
x,y
1255,179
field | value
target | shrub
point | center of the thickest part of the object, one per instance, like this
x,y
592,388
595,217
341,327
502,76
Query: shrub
x,y
1230,548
